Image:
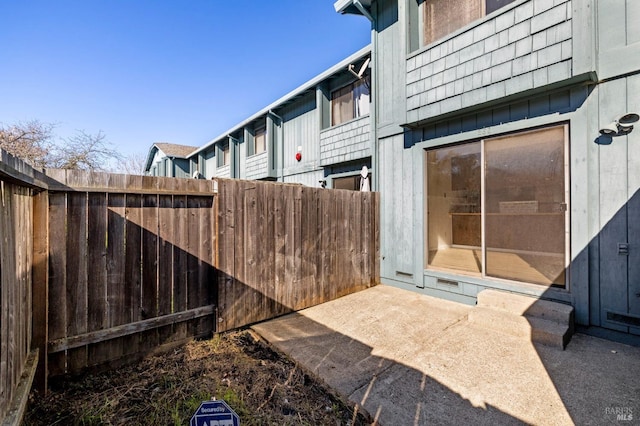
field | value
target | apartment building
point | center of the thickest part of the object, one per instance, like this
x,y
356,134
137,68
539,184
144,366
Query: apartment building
x,y
502,136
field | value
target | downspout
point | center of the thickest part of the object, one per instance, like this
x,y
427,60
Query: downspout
x,y
372,16
374,96
234,171
279,170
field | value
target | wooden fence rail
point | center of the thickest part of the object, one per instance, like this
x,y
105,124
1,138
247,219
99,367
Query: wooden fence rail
x,y
117,266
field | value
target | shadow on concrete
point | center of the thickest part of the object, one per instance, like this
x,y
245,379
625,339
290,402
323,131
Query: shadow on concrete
x,y
413,359
390,392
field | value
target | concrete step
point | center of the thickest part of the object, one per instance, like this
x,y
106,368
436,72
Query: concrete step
x,y
535,329
526,306
541,321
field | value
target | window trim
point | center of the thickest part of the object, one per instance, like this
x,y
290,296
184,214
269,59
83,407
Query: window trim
x,y
354,173
254,144
422,47
353,84
482,276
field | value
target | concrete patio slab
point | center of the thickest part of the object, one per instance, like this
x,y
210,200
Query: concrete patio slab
x,y
410,359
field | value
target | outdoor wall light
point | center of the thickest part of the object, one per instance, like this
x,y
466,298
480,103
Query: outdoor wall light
x,y
621,126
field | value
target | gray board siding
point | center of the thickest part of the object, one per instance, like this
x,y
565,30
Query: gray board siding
x,y
522,48
301,128
614,209
618,37
182,168
257,166
398,227
312,178
389,70
346,142
223,171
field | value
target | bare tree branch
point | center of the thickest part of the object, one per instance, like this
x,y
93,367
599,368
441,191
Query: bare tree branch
x,y
31,141
132,164
84,151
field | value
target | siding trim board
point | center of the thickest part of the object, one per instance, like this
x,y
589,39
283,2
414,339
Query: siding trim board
x,y
588,78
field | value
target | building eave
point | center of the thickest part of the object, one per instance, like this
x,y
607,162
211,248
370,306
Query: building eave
x,y
355,7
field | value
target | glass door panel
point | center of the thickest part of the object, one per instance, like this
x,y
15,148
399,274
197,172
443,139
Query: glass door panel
x,y
525,207
454,208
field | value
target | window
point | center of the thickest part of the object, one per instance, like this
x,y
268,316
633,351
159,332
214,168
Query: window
x,y
260,141
351,183
349,102
498,207
225,155
442,17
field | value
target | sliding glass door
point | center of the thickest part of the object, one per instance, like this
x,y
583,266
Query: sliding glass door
x,y
498,207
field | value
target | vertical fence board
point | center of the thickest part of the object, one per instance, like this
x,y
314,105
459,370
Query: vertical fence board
x,y
97,261
57,277
180,238
355,238
193,252
76,274
11,270
279,237
16,271
290,248
206,274
6,283
365,231
250,277
240,291
165,252
116,253
227,254
133,264
268,250
40,279
149,296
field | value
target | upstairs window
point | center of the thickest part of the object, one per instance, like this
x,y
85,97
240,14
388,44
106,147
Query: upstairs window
x,y
260,141
352,183
224,158
442,17
349,102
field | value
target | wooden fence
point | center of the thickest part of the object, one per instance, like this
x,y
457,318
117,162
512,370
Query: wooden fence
x,y
130,266
99,269
16,260
137,263
288,247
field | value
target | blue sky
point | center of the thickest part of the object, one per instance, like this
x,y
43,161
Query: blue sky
x,y
145,71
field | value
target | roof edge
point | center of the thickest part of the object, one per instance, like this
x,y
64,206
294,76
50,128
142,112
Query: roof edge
x,y
300,89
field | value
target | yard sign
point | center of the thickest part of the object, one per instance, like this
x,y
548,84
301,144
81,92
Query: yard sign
x,y
214,413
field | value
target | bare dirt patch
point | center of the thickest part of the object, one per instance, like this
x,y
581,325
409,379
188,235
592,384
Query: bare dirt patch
x,y
261,385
